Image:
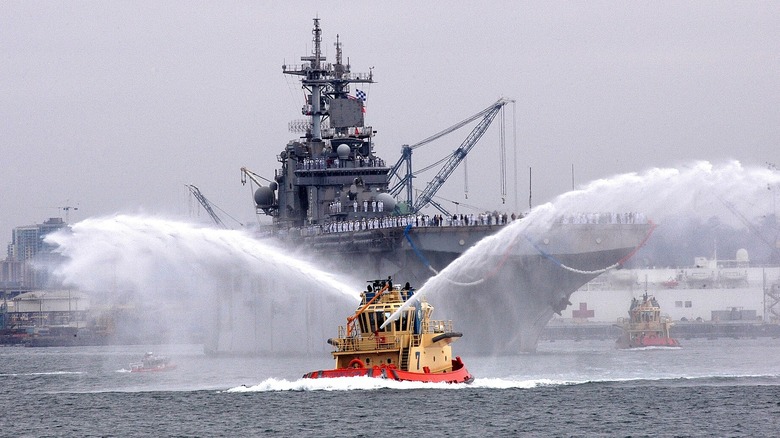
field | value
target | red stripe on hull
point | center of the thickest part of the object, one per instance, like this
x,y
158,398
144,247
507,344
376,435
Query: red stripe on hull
x,y
649,342
459,374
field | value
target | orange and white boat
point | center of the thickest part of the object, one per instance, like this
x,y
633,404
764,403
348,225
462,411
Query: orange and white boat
x,y
645,326
413,347
151,363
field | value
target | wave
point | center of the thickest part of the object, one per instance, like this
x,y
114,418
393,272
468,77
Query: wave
x,y
43,373
369,383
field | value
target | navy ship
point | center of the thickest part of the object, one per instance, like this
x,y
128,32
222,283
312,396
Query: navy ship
x,y
334,197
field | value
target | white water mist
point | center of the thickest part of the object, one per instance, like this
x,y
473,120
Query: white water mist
x,y
697,192
242,294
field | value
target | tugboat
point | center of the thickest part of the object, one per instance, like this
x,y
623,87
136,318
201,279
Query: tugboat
x,y
412,348
150,363
645,327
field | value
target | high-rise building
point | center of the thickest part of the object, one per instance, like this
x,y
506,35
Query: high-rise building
x,y
28,254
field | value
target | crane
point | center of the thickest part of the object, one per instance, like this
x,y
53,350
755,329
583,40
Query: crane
x,y
206,205
67,210
451,162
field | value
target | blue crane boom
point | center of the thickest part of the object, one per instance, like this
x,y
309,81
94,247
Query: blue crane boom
x,y
426,197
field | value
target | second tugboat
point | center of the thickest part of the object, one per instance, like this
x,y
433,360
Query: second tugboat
x,y
412,348
645,327
151,363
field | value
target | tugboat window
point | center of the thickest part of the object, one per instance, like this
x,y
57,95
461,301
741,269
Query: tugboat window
x,y
380,319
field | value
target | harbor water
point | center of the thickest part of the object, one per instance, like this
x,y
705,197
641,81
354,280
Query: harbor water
x,y
718,387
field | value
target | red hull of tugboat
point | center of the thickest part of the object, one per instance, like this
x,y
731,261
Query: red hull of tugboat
x,y
459,374
649,342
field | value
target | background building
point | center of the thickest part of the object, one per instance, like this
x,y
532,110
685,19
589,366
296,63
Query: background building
x,y
28,255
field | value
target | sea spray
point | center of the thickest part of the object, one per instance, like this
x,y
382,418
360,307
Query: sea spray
x,y
481,291
699,192
183,281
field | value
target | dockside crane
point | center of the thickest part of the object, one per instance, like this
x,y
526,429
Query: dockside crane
x,y
206,205
450,163
66,209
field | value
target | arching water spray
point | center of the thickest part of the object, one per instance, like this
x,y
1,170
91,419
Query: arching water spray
x,y
237,293
488,287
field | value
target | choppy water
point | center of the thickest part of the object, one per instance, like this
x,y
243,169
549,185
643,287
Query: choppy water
x,y
708,388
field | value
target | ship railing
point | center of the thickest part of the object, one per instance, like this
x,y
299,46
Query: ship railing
x,y
604,218
395,222
306,66
381,341
375,343
437,326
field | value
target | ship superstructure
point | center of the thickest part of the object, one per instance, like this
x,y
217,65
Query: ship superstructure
x,y
330,176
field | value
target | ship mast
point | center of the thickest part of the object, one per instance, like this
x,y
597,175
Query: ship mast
x,y
313,79
324,82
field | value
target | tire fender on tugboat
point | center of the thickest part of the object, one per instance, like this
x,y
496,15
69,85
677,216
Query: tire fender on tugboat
x,y
357,362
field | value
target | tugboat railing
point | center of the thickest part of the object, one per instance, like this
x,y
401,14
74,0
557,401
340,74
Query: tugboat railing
x,y
437,326
389,340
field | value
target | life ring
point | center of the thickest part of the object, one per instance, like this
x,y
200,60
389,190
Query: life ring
x,y
356,363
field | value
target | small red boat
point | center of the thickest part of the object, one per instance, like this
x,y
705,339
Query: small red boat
x,y
411,348
645,327
151,363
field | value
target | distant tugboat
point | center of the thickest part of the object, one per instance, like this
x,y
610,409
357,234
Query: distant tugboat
x,y
645,328
412,348
150,363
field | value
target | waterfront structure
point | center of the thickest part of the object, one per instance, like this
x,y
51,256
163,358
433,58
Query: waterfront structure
x,y
27,249
708,298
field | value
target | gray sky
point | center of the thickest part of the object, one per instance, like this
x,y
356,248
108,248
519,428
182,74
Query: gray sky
x,y
114,106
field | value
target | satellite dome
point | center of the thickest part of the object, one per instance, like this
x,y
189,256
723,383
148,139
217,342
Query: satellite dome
x,y
343,150
388,201
264,197
742,255
273,186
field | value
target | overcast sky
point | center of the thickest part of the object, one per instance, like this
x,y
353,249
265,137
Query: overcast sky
x,y
114,106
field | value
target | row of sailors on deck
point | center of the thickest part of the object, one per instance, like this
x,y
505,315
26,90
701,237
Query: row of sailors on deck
x,y
368,206
419,220
328,163
604,218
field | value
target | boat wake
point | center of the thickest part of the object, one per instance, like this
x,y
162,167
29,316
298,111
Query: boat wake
x,y
653,347
370,383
